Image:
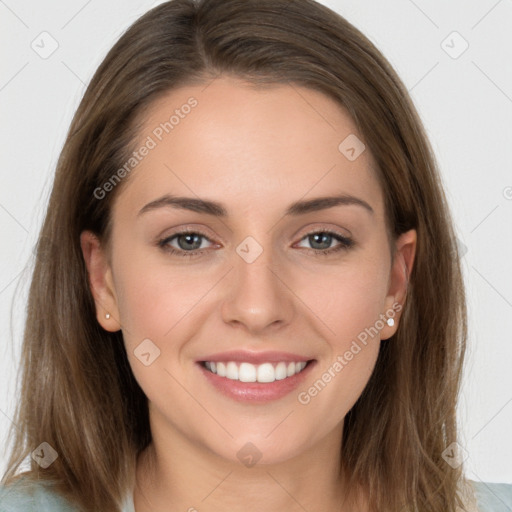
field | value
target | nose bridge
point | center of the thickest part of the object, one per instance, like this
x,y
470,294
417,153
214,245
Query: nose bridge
x,y
257,296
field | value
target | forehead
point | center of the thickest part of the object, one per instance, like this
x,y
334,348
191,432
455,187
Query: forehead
x,y
253,147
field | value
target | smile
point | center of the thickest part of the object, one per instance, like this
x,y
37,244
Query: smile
x,y
247,372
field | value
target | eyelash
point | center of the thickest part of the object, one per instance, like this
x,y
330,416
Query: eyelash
x,y
345,243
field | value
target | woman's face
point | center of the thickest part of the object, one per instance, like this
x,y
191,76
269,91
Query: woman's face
x,y
250,288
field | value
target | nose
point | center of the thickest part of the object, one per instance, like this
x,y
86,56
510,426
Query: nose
x,y
258,297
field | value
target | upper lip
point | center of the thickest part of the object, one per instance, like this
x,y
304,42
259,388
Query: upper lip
x,y
255,357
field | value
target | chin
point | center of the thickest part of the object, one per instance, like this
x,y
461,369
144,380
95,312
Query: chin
x,y
250,450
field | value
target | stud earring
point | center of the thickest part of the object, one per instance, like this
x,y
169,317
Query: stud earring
x,y
390,322
107,316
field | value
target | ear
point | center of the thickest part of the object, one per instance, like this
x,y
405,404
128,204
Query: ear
x,y
100,281
401,269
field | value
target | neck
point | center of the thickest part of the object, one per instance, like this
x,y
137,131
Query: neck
x,y
175,474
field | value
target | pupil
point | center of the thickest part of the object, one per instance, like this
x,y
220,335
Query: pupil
x,y
189,240
321,235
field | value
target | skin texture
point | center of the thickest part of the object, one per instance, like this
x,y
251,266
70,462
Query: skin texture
x,y
256,151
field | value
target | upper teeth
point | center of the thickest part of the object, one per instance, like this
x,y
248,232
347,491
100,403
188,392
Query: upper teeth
x,y
247,372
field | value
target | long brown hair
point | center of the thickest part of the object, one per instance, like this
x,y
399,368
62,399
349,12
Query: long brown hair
x,y
78,392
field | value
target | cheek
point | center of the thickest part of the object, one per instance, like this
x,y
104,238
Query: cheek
x,y
157,303
153,298
348,299
348,303
350,306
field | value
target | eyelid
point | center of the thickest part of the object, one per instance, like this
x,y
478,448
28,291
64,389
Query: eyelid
x,y
344,243
315,227
189,229
323,228
199,231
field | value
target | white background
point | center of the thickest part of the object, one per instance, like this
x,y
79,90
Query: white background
x,y
466,106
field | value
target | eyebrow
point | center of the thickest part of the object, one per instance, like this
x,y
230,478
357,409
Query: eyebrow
x,y
218,210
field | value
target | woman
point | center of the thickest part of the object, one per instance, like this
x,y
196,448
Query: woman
x,y
250,296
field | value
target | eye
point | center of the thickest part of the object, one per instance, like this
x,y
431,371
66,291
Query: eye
x,y
189,243
321,241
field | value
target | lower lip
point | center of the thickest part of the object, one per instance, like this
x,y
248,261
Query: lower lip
x,y
256,392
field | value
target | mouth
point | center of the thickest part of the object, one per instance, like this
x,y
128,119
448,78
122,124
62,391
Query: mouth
x,y
253,377
263,373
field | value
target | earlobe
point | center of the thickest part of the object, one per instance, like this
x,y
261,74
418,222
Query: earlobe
x,y
399,280
100,281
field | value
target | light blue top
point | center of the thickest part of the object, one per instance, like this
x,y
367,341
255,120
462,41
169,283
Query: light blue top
x,y
491,497
40,498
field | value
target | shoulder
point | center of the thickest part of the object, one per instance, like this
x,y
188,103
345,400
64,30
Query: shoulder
x,y
493,497
29,496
